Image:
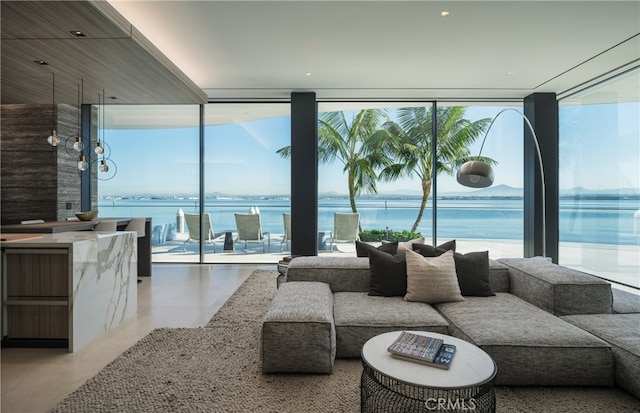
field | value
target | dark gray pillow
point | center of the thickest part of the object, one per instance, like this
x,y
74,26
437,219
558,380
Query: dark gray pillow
x,y
431,251
362,248
473,273
388,274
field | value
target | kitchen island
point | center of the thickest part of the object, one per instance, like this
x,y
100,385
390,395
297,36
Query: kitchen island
x,y
66,289
53,227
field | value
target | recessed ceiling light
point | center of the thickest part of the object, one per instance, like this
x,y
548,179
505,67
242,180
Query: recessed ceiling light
x,y
77,33
444,14
308,74
509,73
40,62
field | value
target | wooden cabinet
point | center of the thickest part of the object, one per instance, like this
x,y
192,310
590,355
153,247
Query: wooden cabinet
x,y
36,296
67,289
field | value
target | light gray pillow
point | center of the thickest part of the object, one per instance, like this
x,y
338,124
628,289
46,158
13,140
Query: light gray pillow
x,y
407,245
432,280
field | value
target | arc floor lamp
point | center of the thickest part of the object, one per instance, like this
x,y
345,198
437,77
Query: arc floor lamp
x,y
478,174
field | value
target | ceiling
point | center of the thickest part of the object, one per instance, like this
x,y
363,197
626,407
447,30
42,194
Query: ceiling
x,y
113,60
179,52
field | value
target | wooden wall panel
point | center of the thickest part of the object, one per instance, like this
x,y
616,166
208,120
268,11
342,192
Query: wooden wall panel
x,y
36,179
68,185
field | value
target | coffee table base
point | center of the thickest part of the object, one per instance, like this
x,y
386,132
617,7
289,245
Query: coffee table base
x,y
379,393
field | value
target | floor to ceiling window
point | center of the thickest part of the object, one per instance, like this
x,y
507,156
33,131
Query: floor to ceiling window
x,y
247,180
154,150
379,157
246,169
359,170
600,180
489,218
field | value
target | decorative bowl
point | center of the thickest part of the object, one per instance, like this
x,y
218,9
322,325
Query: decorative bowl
x,y
86,215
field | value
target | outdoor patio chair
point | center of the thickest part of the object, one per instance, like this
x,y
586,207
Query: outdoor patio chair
x,y
250,230
286,239
346,227
193,226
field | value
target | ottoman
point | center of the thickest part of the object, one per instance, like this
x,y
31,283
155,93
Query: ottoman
x,y
298,332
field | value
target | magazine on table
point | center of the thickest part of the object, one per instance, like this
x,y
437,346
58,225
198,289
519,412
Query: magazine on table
x,y
428,350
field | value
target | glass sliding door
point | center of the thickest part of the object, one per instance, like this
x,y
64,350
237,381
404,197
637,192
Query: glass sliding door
x,y
154,150
245,174
489,218
600,180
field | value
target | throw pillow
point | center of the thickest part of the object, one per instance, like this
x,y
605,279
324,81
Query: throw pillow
x,y
408,245
388,274
362,248
431,251
432,280
473,273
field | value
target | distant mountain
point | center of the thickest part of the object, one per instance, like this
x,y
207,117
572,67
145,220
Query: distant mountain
x,y
409,192
492,191
578,190
496,191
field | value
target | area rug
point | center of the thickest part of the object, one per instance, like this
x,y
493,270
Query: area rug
x,y
216,368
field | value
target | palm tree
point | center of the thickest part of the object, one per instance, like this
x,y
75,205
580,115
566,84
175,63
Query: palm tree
x,y
410,140
346,140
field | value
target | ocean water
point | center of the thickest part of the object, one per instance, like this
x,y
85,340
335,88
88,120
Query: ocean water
x,y
614,222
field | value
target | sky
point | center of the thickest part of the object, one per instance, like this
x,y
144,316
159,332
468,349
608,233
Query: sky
x,y
599,149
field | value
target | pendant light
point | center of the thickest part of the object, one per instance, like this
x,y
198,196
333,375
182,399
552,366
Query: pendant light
x,y
83,165
103,168
107,169
78,145
99,150
53,138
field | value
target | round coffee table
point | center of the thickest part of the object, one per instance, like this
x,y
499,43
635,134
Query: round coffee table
x,y
392,385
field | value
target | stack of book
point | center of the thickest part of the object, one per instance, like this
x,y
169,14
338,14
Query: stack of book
x,y
431,351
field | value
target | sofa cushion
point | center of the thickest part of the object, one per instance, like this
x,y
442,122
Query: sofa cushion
x,y
430,251
359,317
432,280
363,248
499,280
625,302
622,331
341,273
529,345
388,274
408,245
472,270
556,289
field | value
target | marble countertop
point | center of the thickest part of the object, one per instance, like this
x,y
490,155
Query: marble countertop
x,y
62,239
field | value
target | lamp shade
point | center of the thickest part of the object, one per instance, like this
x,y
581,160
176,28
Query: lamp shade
x,y
475,174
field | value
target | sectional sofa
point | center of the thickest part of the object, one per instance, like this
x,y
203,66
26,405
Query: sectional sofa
x,y
542,323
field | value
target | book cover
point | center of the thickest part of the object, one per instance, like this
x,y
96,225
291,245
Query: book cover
x,y
442,360
416,346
